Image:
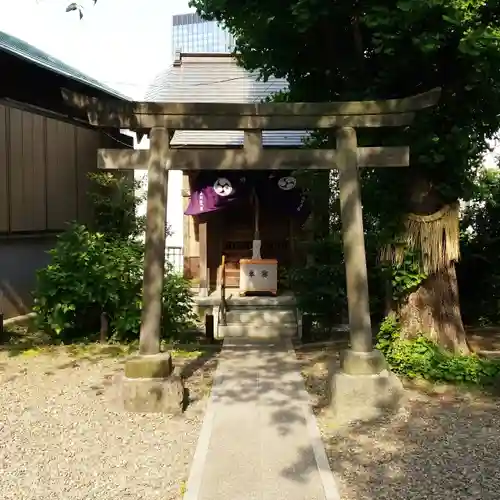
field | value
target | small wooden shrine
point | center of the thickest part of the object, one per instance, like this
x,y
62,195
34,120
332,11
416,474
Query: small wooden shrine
x,y
248,215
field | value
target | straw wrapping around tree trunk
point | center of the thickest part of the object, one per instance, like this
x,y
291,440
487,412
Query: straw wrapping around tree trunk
x,y
435,237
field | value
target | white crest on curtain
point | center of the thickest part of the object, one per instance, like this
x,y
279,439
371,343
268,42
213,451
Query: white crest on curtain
x,y
223,187
287,183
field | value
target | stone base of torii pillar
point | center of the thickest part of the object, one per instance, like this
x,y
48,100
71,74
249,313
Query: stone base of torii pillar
x,y
151,385
364,389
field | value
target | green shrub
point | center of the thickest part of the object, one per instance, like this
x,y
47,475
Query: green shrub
x,y
114,199
320,288
178,312
98,271
420,357
91,274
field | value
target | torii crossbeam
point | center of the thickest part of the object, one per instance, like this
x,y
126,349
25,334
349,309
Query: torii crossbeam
x,y
161,119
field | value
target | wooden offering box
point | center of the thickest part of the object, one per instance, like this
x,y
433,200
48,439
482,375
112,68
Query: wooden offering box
x,y
258,275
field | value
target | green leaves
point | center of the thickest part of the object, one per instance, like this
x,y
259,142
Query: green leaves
x,y
100,270
320,288
114,197
479,268
405,5
90,274
451,20
420,357
406,277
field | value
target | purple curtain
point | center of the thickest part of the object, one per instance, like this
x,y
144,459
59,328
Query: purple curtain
x,y
213,191
278,191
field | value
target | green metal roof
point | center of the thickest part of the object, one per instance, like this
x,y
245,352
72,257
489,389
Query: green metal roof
x,y
23,50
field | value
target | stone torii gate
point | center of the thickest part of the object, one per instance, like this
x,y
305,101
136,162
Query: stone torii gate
x,y
149,384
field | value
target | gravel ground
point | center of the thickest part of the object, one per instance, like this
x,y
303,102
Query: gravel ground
x,y
64,436
444,443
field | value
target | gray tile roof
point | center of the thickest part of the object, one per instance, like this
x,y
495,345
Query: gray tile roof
x,y
24,50
290,138
216,78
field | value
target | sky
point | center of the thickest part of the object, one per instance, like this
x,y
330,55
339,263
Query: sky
x,y
123,43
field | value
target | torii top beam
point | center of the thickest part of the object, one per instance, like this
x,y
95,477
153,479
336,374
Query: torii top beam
x,y
263,116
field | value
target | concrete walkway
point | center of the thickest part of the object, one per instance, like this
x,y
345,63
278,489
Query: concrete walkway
x,y
259,438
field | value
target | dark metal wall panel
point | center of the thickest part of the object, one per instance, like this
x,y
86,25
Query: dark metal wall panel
x,y
37,145
61,175
26,171
44,167
4,172
16,173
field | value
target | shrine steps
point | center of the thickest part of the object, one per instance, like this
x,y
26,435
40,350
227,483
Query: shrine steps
x,y
257,332
260,316
252,317
260,321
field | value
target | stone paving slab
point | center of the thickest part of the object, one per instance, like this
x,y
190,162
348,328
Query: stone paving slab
x,y
259,440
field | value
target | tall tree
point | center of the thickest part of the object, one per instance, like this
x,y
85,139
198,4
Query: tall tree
x,y
367,49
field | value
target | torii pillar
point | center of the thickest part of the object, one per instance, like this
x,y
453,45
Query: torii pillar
x,y
364,386
150,384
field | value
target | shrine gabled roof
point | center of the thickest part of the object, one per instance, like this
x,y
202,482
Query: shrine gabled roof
x,y
217,78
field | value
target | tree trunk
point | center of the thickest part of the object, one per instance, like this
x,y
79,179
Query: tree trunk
x,y
434,310
103,334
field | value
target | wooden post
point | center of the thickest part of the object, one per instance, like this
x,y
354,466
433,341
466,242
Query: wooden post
x,y
154,256
353,241
209,327
202,237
